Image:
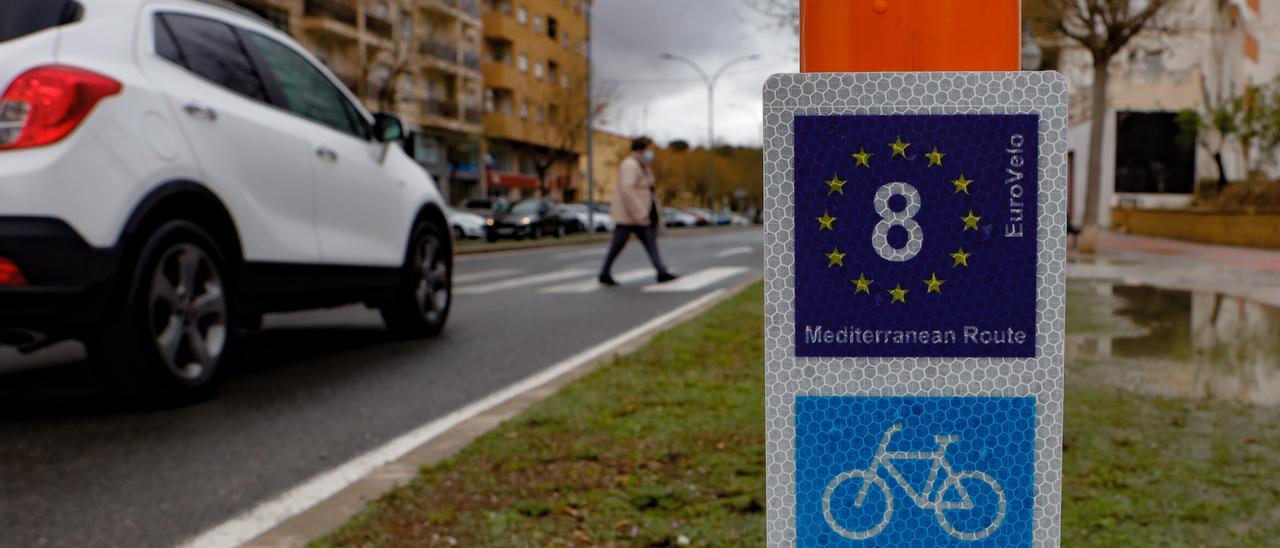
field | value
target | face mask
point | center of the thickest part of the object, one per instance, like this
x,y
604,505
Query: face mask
x,y
648,156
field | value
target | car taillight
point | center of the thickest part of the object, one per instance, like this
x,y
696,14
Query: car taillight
x,y
46,103
10,275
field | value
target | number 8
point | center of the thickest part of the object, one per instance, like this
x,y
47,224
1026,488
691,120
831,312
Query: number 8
x,y
891,218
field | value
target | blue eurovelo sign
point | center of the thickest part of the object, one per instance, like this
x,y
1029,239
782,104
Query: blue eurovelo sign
x,y
916,235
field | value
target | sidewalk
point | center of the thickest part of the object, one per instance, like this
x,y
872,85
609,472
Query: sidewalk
x,y
1247,273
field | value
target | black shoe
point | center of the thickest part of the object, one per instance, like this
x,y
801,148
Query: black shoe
x,y
607,280
664,277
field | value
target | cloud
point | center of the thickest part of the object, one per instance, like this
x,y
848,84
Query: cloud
x,y
667,100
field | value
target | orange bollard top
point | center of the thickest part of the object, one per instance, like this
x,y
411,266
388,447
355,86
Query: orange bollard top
x,y
910,35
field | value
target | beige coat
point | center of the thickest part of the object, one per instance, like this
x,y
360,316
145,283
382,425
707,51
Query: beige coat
x,y
633,197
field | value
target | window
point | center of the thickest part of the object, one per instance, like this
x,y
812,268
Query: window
x,y
537,70
552,28
564,81
522,63
541,116
522,15
381,10
405,88
213,51
306,91
524,110
488,100
504,7
577,7
553,71
565,40
406,26
537,23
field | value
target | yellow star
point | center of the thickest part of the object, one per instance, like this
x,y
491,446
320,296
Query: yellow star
x,y
962,258
863,158
826,221
899,294
971,221
836,185
835,258
935,285
962,184
899,148
935,157
862,284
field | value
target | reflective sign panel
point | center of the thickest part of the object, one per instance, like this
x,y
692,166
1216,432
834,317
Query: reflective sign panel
x,y
915,304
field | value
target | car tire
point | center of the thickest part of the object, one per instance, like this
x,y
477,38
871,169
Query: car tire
x,y
422,299
491,237
175,324
535,232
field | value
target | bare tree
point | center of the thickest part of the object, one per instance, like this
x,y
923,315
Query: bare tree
x,y
1103,28
563,128
400,61
783,13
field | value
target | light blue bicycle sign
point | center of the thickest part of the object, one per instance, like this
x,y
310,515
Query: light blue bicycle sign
x,y
948,496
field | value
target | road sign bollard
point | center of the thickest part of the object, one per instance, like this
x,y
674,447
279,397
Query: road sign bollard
x,y
915,283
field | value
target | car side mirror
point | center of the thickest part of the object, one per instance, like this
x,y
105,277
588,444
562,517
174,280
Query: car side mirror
x,y
387,128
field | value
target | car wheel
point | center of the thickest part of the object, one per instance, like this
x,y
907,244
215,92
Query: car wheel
x,y
491,237
422,299
175,325
535,232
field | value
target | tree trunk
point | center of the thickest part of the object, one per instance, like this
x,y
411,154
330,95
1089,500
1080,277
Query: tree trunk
x,y
1087,241
1222,171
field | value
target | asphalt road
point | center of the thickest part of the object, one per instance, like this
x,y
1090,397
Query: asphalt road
x,y
78,467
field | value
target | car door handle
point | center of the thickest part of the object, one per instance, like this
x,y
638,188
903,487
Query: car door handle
x,y
326,153
200,110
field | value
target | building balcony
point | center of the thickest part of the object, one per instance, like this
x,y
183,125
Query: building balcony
x,y
441,109
441,50
473,115
471,60
501,26
332,17
470,7
502,75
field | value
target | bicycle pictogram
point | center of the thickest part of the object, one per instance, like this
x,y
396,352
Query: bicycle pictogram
x,y
948,496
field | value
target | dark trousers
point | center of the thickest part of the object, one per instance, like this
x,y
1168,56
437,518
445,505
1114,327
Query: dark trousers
x,y
648,236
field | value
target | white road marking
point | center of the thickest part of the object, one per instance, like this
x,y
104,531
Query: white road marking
x,y
588,286
734,251
581,253
697,280
269,514
523,281
485,275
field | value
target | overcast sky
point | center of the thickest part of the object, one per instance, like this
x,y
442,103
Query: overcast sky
x,y
667,100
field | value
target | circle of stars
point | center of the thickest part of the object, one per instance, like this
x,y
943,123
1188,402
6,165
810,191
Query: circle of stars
x,y
862,284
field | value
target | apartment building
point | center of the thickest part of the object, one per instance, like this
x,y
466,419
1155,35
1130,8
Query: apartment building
x,y
1216,51
535,102
608,151
420,59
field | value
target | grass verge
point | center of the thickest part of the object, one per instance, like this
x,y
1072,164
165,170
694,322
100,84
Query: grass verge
x,y
663,443
668,442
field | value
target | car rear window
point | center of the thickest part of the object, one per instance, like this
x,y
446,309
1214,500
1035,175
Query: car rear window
x,y
19,18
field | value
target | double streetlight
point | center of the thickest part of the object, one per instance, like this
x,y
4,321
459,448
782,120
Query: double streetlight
x,y
710,81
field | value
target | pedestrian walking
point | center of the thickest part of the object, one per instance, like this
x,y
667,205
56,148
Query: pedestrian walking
x,y
635,211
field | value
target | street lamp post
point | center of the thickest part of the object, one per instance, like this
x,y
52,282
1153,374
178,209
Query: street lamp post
x,y
710,82
591,159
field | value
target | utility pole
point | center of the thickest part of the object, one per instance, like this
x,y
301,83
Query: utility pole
x,y
591,159
710,82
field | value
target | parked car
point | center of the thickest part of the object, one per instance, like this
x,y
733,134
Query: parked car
x,y
602,221
482,206
172,170
466,225
572,224
700,217
674,218
531,218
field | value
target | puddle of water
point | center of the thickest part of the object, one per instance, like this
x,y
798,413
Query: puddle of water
x,y
1193,344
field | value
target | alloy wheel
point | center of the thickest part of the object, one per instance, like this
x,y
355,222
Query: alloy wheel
x,y
187,311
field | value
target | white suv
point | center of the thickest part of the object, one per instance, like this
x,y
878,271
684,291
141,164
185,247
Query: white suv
x,y
170,170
